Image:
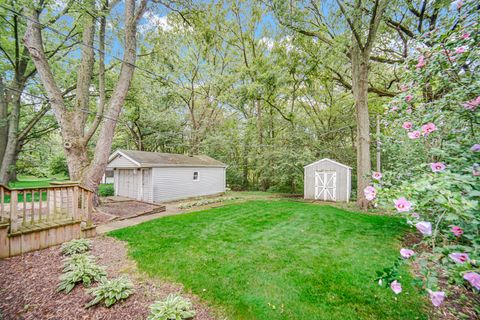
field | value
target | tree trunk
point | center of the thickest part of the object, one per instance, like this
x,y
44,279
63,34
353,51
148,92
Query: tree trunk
x,y
107,130
360,94
72,122
3,121
8,160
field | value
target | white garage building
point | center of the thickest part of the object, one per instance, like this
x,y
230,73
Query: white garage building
x,y
327,180
158,177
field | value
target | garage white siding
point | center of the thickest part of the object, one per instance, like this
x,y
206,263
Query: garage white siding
x,y
171,183
121,162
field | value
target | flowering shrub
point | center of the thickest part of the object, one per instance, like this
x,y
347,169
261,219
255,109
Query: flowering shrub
x,y
431,141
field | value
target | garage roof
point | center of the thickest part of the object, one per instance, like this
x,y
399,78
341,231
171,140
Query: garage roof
x,y
156,159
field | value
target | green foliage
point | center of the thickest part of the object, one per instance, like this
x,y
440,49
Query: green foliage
x,y
111,291
58,165
106,190
205,202
76,246
442,83
174,307
80,268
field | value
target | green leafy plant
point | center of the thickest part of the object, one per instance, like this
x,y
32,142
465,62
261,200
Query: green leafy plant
x,y
111,291
76,246
80,268
205,202
174,307
431,134
106,190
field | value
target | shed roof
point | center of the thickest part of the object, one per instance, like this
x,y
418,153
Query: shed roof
x,y
156,159
328,160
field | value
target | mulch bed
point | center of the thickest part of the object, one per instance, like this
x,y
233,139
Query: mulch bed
x,y
28,287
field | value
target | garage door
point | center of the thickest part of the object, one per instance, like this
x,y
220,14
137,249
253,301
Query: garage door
x,y
128,183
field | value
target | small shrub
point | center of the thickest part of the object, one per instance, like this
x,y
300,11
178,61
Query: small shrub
x,y
58,165
106,190
174,307
205,202
76,246
111,291
80,268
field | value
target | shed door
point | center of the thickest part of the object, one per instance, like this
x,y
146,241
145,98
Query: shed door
x,y
325,185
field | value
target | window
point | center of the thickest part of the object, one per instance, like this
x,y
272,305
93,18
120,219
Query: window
x,y
195,176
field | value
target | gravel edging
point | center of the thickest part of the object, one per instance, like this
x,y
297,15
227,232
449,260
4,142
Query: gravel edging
x,y
28,287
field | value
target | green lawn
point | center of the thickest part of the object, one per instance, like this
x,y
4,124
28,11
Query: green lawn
x,y
279,260
32,182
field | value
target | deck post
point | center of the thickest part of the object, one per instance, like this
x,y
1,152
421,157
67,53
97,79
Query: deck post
x,y
89,209
75,214
13,211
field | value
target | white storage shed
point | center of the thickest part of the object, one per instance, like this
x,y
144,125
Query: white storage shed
x,y
158,177
327,180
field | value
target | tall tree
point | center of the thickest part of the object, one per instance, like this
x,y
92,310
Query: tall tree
x,y
73,120
17,122
364,29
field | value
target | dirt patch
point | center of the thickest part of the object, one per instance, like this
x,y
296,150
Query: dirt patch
x,y
128,209
28,287
101,217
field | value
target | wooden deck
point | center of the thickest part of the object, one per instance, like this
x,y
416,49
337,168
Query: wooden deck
x,y
36,218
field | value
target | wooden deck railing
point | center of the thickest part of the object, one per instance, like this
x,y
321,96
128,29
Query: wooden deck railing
x,y
28,207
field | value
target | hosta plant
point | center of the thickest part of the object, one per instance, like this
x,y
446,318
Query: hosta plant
x,y
174,307
80,268
111,291
76,246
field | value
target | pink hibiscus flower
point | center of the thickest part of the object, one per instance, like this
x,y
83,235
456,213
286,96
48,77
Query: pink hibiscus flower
x,y
436,297
460,50
403,88
415,215
424,227
396,287
370,193
473,278
409,98
406,253
428,128
376,175
421,62
465,36
407,125
459,257
475,147
457,231
414,134
403,205
472,104
476,169
437,166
